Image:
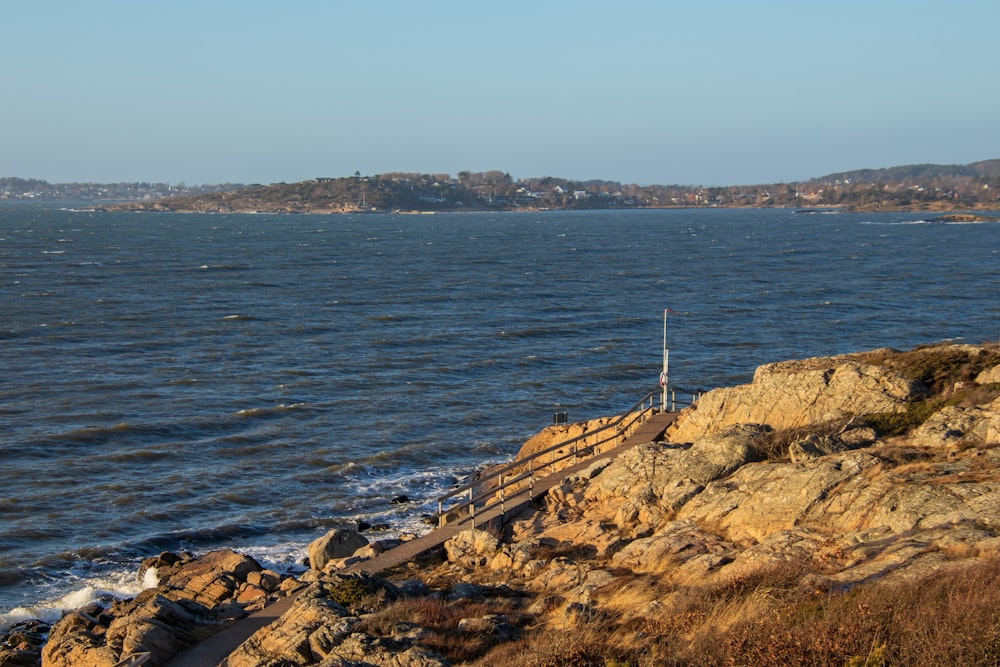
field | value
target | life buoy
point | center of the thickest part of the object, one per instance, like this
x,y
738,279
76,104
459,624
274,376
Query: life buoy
x,y
663,379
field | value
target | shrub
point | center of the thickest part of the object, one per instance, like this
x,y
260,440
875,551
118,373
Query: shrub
x,y
939,367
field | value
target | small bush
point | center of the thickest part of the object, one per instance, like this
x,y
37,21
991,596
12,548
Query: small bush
x,y
440,619
348,591
889,424
940,367
774,444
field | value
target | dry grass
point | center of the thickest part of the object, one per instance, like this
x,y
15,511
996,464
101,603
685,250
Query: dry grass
x,y
440,620
774,445
939,367
947,372
770,618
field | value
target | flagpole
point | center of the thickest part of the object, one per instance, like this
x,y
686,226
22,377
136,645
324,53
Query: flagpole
x,y
666,355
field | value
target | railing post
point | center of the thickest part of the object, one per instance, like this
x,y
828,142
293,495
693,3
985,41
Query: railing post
x,y
502,506
624,426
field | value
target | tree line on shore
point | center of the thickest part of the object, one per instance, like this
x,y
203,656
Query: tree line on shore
x,y
912,187
917,187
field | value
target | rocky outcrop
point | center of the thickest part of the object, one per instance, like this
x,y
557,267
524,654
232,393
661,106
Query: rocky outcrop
x,y
195,598
989,376
795,394
324,626
955,427
789,474
21,645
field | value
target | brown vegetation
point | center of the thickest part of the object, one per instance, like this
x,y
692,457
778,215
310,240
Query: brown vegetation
x,y
773,617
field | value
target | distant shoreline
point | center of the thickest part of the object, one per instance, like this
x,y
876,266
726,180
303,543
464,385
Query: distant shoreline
x,y
156,207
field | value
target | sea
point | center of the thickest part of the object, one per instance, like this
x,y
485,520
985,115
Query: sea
x,y
188,382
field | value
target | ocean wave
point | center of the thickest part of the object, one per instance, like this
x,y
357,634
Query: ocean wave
x,y
222,267
269,411
172,430
561,329
112,586
138,456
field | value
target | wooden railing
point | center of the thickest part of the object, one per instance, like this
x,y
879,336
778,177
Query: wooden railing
x,y
493,484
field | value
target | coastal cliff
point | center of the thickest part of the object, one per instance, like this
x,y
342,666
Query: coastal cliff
x,y
835,511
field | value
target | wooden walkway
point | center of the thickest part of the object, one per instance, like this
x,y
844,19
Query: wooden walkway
x,y
212,651
650,430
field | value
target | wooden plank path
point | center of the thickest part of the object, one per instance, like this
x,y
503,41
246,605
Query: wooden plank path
x,y
648,431
215,649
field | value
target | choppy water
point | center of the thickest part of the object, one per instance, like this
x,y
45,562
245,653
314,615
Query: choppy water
x,y
180,381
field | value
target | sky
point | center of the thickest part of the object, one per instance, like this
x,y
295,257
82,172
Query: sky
x,y
701,92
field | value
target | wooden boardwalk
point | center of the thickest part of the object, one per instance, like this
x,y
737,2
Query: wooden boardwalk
x,y
215,649
650,430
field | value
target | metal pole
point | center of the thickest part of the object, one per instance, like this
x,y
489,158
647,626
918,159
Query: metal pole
x,y
503,510
666,355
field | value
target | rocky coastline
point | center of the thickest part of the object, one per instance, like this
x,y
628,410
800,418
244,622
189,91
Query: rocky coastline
x,y
834,511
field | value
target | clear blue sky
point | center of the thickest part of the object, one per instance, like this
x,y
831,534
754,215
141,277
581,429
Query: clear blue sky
x,y
708,92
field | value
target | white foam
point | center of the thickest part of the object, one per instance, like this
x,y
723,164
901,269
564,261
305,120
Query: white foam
x,y
284,558
117,586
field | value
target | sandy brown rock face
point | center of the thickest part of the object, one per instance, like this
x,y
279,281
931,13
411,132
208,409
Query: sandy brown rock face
x,y
989,376
195,598
323,627
336,543
557,433
794,394
314,625
956,427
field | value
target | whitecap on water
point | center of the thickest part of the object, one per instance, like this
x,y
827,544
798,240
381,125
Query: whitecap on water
x,y
121,585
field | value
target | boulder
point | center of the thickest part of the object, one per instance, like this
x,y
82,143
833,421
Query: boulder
x,y
814,446
211,579
954,427
77,640
472,548
340,542
319,630
716,456
362,649
674,544
21,645
314,626
155,624
497,626
989,376
642,486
